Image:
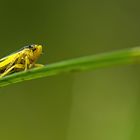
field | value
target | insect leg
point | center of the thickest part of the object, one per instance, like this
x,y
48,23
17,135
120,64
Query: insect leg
x,y
27,62
19,66
12,62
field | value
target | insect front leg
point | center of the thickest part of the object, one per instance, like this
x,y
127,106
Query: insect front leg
x,y
18,66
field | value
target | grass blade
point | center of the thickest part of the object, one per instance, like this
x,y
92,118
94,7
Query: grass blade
x,y
127,56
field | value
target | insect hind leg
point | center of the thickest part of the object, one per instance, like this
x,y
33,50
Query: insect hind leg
x,y
18,66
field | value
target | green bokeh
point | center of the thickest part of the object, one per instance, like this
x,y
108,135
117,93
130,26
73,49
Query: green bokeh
x,y
101,105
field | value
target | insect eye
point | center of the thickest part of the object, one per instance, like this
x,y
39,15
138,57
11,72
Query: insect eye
x,y
30,46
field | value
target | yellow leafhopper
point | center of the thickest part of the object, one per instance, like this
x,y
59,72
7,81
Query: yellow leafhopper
x,y
21,60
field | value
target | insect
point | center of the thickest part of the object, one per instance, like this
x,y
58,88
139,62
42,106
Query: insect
x,y
21,60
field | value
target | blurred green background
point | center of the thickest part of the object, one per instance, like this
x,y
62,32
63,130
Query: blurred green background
x,y
96,105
